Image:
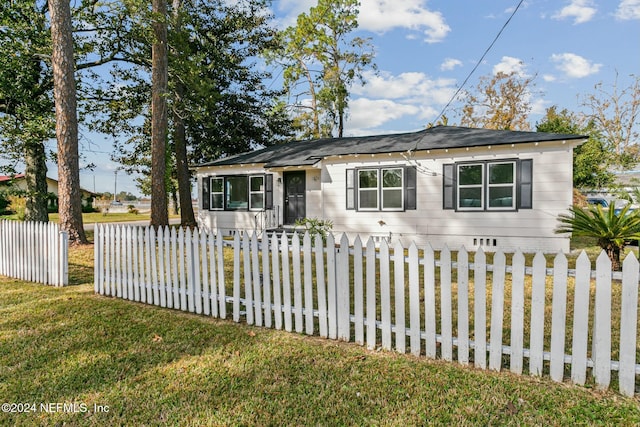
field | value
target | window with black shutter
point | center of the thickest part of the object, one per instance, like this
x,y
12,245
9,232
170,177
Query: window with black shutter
x,y
498,185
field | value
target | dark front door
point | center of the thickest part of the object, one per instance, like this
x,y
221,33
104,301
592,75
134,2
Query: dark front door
x,y
294,200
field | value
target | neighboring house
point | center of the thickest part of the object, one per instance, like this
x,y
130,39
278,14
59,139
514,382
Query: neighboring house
x,y
443,185
18,182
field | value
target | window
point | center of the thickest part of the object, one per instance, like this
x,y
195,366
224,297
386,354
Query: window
x,y
470,186
238,192
256,192
351,187
386,189
392,189
480,186
501,185
217,193
368,189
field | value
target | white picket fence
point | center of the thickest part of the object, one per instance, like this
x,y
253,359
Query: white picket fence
x,y
35,252
337,291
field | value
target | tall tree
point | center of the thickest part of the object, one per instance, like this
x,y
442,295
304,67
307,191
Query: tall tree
x,y
321,39
615,112
64,90
26,104
187,217
159,126
500,101
590,160
217,97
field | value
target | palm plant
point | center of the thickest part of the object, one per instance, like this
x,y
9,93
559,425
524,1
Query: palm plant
x,y
612,230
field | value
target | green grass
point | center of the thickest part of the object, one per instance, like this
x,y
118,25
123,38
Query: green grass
x,y
98,217
154,366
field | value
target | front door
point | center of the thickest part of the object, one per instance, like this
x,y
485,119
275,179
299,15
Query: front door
x,y
294,197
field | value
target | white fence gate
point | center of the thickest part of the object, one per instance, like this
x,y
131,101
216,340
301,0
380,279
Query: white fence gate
x,y
338,291
35,252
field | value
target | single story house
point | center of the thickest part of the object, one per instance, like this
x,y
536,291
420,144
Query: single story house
x,y
18,183
443,185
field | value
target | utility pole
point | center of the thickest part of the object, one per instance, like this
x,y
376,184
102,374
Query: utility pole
x,y
115,185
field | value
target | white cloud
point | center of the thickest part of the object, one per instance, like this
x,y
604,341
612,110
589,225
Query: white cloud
x,y
387,97
539,106
414,86
509,65
549,78
449,64
380,16
580,11
366,114
628,10
574,66
384,15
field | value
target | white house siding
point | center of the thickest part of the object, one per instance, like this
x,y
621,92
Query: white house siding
x,y
526,229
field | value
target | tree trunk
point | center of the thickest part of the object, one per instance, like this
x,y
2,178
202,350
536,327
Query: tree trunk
x,y
187,218
64,92
183,176
36,179
613,252
159,77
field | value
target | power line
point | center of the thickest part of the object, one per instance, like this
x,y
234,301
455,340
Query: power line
x,y
409,155
478,62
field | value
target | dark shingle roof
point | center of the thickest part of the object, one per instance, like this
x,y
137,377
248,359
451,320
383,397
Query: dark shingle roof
x,y
301,153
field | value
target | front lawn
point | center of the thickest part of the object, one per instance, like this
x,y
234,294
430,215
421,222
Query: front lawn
x,y
144,365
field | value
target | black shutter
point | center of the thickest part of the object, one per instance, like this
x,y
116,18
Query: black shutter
x,y
351,189
268,192
448,186
525,184
410,176
206,194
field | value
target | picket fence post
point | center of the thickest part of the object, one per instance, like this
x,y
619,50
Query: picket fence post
x,y
580,319
497,310
297,282
308,283
538,291
445,304
430,301
371,294
398,286
343,297
480,309
414,300
602,323
517,314
358,291
321,284
463,306
628,325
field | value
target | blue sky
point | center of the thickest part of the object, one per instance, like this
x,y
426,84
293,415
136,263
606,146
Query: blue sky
x,y
425,50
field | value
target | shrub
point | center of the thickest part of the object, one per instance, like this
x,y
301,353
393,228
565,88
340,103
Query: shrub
x,y
316,226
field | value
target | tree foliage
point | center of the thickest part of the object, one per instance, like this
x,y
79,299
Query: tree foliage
x,y
217,101
320,62
500,101
590,160
611,229
26,104
615,112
